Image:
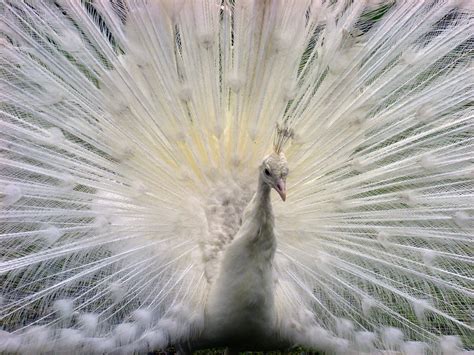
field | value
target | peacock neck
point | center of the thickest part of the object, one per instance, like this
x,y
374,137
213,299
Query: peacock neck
x,y
260,215
258,220
262,196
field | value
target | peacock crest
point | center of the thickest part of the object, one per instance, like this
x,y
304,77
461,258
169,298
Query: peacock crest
x,y
283,134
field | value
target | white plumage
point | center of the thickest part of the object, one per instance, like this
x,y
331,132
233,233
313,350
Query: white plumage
x,y
240,308
140,141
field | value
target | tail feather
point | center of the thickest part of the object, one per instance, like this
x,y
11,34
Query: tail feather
x,y
122,122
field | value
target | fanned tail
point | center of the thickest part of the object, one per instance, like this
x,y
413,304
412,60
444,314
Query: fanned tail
x,y
376,236
100,225
122,122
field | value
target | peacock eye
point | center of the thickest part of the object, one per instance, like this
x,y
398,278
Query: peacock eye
x,y
267,172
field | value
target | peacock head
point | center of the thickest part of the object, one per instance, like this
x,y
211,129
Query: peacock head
x,y
274,170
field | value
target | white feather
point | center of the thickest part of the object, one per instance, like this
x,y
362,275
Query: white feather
x,y
131,134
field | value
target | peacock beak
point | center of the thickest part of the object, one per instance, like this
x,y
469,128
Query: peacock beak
x,y
281,188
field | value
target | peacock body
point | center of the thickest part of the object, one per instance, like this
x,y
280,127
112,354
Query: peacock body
x,y
140,142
